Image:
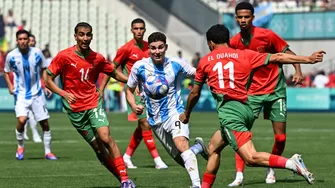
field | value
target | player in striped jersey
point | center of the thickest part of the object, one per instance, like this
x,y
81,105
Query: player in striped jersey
x,y
163,114
28,64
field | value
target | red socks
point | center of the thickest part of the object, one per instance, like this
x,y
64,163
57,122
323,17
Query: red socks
x,y
121,168
276,161
208,180
239,163
150,143
279,145
135,140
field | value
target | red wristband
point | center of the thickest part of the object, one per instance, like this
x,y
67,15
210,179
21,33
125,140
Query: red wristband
x,y
62,93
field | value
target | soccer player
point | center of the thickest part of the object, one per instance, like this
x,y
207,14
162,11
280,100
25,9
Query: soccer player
x,y
267,88
31,120
28,64
227,71
79,68
126,56
163,114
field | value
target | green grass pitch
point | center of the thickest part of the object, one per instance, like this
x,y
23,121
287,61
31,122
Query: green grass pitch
x,y
311,134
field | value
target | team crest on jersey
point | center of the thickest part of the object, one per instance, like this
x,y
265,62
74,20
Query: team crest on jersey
x,y
261,49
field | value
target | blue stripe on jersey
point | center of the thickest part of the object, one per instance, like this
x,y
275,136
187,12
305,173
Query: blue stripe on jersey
x,y
177,84
163,103
16,72
37,71
26,75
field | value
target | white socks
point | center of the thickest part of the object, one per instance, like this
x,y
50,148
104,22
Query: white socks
x,y
191,165
291,165
47,141
19,138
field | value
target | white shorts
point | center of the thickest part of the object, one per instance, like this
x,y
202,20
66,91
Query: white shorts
x,y
167,131
36,104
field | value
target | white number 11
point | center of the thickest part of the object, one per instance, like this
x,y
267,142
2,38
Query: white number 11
x,y
83,75
230,67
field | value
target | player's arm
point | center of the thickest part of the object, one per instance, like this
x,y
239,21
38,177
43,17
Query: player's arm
x,y
117,75
284,58
9,83
132,84
120,57
54,69
297,77
7,70
187,69
192,100
194,95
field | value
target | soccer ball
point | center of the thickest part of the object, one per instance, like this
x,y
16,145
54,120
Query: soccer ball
x,y
156,86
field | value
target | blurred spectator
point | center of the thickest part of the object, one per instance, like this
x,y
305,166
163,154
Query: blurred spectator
x,y
22,26
9,19
321,80
331,83
308,80
47,56
196,59
3,42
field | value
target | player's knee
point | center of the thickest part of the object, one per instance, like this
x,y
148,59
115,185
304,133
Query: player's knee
x,y
143,124
250,161
280,138
22,121
45,125
212,149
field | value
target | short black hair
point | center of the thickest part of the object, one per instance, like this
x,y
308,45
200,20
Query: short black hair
x,y
218,34
245,6
137,20
22,31
31,35
82,24
157,36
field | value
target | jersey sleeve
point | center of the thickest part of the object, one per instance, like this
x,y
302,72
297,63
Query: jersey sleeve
x,y
257,59
133,76
56,66
44,63
277,43
121,56
7,67
200,75
186,68
106,66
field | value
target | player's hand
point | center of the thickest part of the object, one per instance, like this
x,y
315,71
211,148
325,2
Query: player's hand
x,y
11,89
138,109
183,118
101,94
47,92
297,78
317,56
70,98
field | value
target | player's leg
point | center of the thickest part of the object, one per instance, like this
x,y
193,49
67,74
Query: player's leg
x,y
264,159
150,143
275,110
134,141
41,115
25,135
256,104
33,127
180,135
99,122
215,147
21,111
143,131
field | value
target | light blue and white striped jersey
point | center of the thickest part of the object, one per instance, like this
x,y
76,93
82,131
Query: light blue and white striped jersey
x,y
27,71
159,110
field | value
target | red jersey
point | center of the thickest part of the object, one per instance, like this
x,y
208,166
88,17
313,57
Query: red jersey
x,y
79,75
228,71
129,53
267,79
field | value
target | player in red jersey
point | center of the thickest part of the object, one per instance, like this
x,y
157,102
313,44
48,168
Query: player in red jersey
x,y
79,68
126,56
227,71
267,88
